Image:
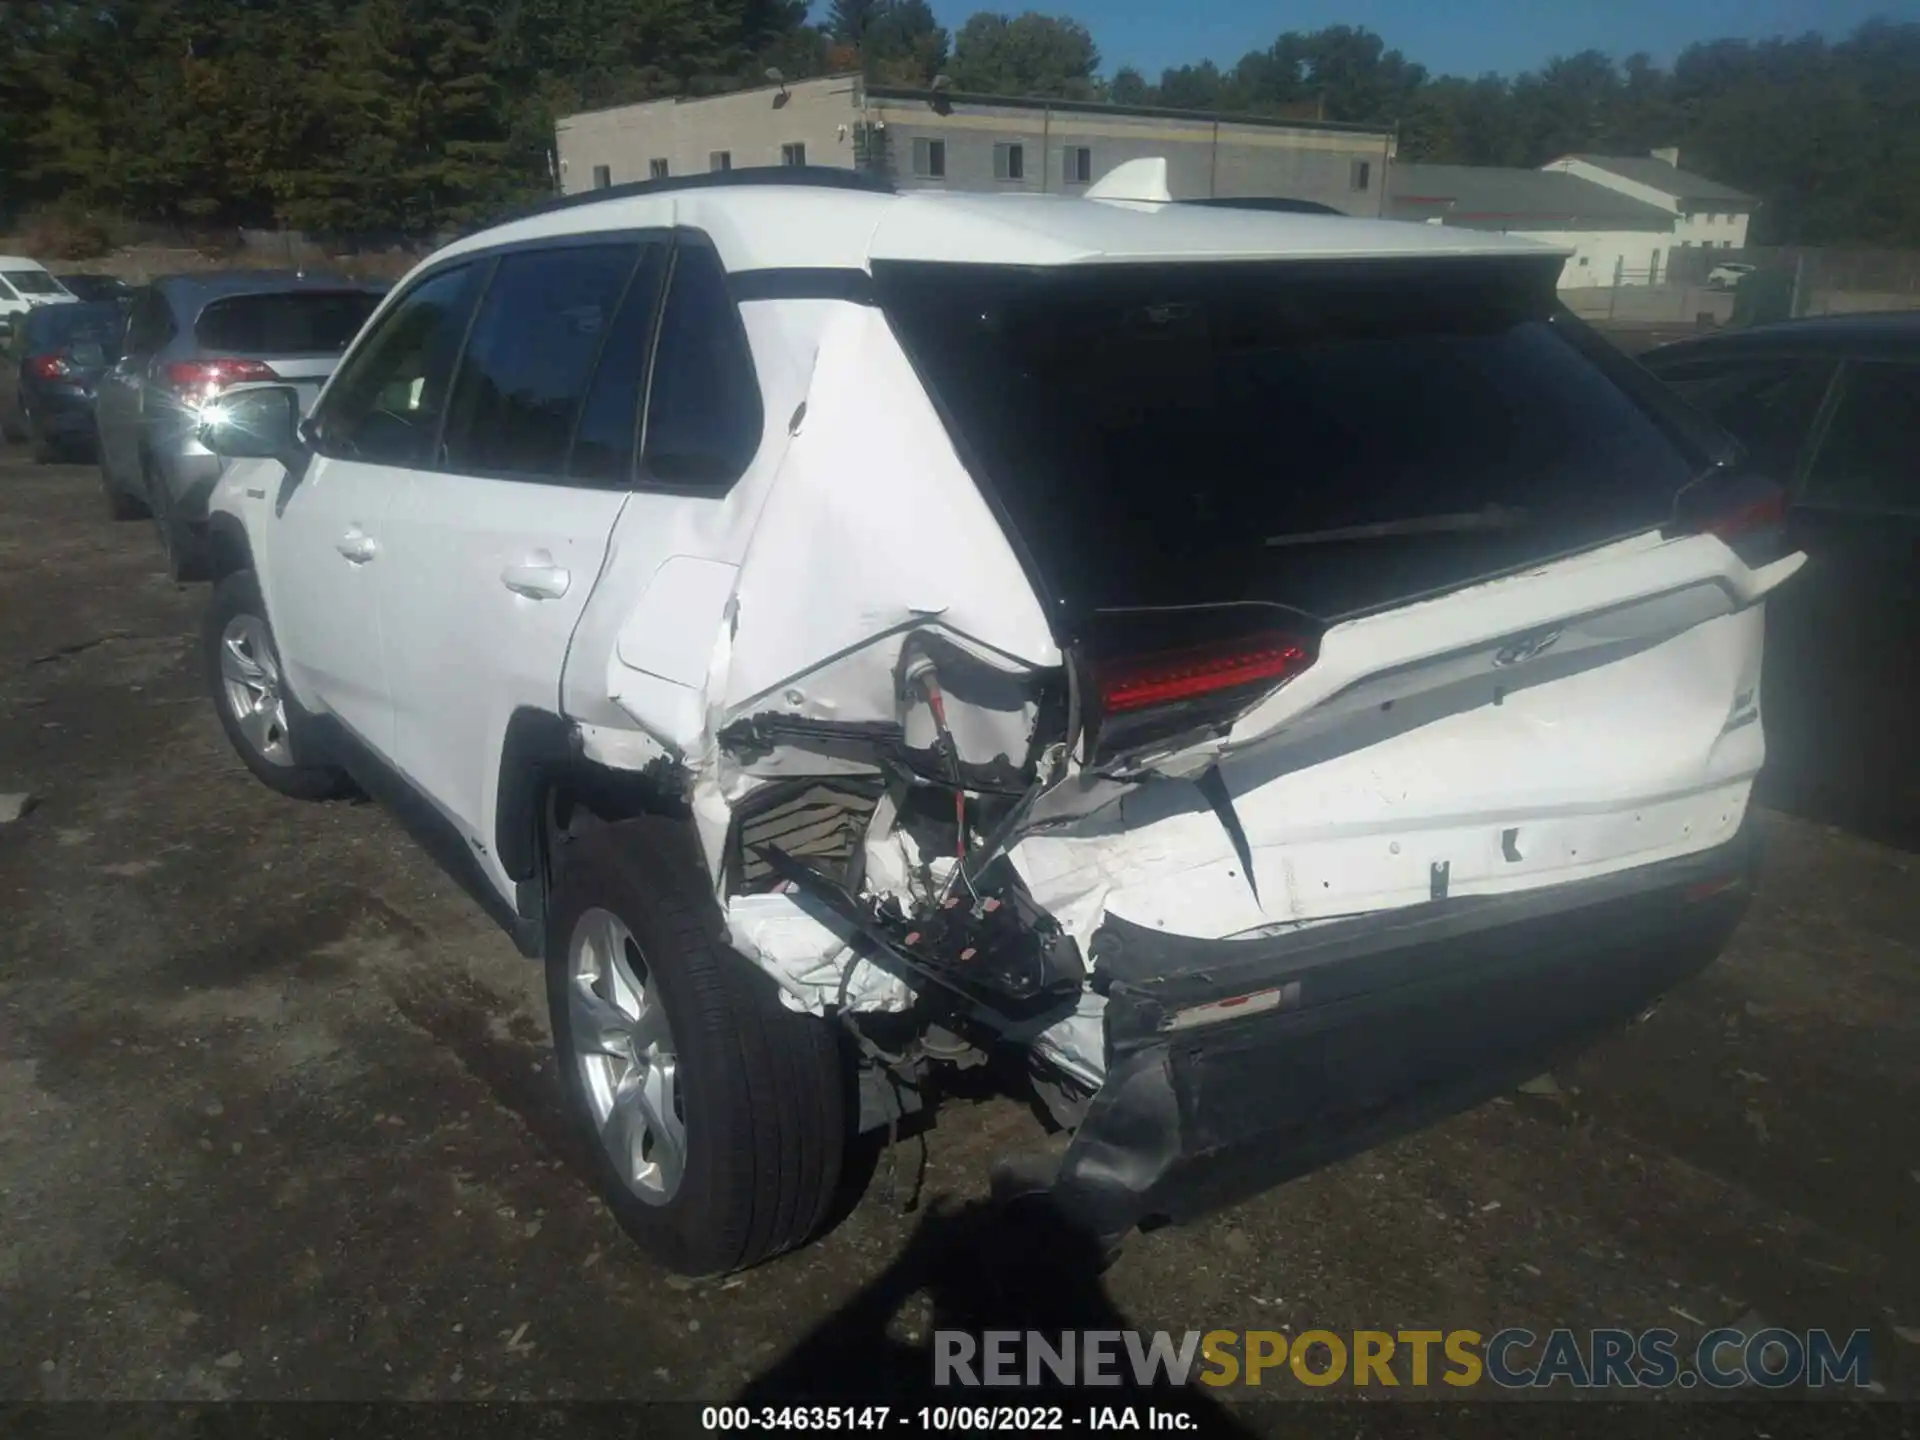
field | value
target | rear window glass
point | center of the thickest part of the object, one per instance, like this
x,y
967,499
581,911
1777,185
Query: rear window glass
x,y
1327,437
33,282
307,322
54,326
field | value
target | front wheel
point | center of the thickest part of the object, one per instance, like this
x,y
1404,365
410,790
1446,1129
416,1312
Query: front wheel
x,y
715,1116
245,678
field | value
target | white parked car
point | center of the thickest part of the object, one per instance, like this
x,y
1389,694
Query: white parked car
x,y
25,285
1275,676
1728,275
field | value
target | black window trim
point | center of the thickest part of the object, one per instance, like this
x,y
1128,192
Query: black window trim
x,y
486,261
637,481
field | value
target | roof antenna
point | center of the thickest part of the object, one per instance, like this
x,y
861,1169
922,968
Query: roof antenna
x,y
1135,182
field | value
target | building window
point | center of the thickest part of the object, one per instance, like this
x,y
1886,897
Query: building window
x,y
602,176
1361,175
1010,162
656,169
794,154
930,159
1076,164
720,160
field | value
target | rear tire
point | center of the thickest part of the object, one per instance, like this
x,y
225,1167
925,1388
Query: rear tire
x,y
245,679
755,1094
180,550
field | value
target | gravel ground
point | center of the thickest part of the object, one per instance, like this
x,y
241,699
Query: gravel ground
x,y
277,1119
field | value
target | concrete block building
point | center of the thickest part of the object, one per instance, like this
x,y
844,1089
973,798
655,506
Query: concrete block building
x,y
940,139
1622,217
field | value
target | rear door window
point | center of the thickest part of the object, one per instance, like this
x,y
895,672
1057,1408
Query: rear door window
x,y
1769,405
1869,458
528,362
304,322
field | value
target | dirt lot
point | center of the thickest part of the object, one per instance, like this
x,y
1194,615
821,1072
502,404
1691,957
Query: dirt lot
x,y
277,1119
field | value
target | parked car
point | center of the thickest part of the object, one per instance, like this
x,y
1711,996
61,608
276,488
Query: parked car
x,y
1728,275
1281,682
188,337
1831,408
25,285
108,288
54,359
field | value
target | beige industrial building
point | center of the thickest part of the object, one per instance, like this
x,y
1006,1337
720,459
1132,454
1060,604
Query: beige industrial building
x,y
939,138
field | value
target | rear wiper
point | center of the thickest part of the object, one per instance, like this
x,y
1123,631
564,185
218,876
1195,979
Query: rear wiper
x,y
1494,517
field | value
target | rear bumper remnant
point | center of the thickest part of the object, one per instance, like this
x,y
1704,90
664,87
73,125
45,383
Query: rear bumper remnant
x,y
1235,1065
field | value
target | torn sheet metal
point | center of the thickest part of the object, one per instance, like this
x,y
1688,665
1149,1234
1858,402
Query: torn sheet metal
x,y
872,529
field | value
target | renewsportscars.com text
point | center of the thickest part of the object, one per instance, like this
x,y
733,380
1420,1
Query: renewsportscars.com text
x,y
1512,1358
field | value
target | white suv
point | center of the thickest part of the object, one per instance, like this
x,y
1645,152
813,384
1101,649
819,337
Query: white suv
x,y
1277,678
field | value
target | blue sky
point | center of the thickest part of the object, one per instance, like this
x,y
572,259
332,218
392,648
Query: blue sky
x,y
1461,37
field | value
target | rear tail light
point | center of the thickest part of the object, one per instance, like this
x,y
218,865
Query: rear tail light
x,y
1138,683
1762,513
49,367
202,379
1748,512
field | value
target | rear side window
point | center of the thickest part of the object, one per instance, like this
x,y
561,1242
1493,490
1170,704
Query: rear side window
x,y
609,427
150,325
385,405
1868,457
1768,405
303,322
1329,437
703,413
524,374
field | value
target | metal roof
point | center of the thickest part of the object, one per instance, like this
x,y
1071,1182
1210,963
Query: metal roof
x,y
1885,334
901,94
1668,180
1489,197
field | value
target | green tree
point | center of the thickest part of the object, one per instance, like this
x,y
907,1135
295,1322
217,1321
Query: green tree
x,y
1030,54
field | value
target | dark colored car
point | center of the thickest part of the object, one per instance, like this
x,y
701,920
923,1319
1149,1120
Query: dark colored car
x,y
102,288
1831,407
189,337
55,359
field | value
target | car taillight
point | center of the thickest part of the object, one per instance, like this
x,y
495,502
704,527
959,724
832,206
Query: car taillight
x,y
1136,683
1747,511
49,367
1743,519
204,378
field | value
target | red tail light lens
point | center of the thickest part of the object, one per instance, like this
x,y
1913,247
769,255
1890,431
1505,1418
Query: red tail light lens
x,y
1761,514
49,367
1138,683
204,378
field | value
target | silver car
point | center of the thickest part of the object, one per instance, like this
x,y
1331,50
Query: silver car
x,y
188,337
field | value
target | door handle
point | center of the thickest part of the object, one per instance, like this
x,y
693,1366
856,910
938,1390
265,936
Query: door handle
x,y
357,545
540,579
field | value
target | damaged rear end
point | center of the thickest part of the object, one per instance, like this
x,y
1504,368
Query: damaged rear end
x,y
1285,701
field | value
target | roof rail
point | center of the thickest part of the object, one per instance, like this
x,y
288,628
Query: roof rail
x,y
818,177
1267,202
